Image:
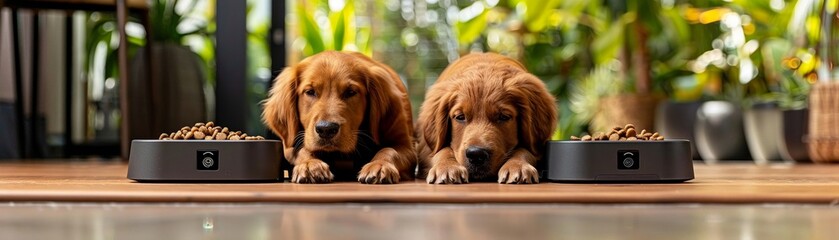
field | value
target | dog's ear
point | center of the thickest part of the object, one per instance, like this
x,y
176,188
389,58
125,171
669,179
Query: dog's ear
x,y
538,114
280,108
383,101
434,116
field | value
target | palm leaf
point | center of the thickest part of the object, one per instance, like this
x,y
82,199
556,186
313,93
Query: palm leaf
x,y
340,28
538,13
471,29
606,46
311,33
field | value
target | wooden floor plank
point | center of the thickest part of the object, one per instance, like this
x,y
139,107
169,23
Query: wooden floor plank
x,y
97,181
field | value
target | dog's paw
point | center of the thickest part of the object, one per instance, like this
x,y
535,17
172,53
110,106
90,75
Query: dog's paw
x,y
518,172
311,172
378,172
447,173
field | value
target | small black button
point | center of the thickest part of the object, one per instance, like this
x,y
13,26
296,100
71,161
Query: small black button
x,y
628,159
207,159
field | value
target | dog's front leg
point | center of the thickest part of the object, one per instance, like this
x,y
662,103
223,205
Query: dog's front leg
x,y
446,169
309,169
388,166
519,168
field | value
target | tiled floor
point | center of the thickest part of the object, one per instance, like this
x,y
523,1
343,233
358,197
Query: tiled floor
x,y
415,221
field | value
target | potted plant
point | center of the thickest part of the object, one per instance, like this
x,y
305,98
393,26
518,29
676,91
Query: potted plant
x,y
178,89
637,102
824,96
675,118
799,63
777,123
639,60
763,118
747,63
792,99
719,128
175,89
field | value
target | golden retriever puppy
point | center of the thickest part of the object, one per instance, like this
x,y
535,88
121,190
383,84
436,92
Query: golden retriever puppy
x,y
486,116
338,108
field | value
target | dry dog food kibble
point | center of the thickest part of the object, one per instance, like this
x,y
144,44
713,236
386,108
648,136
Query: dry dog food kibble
x,y
207,131
625,133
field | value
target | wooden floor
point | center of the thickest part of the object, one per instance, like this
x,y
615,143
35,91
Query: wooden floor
x,y
97,181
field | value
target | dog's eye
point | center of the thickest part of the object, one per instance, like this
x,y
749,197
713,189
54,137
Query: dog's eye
x,y
349,93
460,117
504,117
310,92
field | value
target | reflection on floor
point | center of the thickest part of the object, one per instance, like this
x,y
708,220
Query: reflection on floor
x,y
415,221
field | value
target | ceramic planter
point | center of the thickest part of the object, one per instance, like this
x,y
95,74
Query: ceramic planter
x,y
763,127
793,146
676,120
719,132
170,96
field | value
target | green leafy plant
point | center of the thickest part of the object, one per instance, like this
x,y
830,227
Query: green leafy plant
x,y
553,39
164,23
101,70
746,62
101,44
793,57
258,64
165,20
582,50
685,49
340,32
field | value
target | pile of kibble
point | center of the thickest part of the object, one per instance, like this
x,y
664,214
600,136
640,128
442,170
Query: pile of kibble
x,y
625,133
207,131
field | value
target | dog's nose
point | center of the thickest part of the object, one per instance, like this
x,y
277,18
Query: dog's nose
x,y
327,129
477,155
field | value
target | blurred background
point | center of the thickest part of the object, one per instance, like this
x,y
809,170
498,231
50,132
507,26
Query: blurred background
x,y
731,75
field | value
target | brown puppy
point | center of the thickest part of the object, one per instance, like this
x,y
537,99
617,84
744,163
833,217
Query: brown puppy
x,y
342,108
485,116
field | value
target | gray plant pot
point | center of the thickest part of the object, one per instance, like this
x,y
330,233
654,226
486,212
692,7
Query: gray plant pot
x,y
719,132
795,127
763,132
170,97
676,120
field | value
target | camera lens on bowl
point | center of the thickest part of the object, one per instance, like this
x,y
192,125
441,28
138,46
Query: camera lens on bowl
x,y
207,159
628,162
207,162
628,159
